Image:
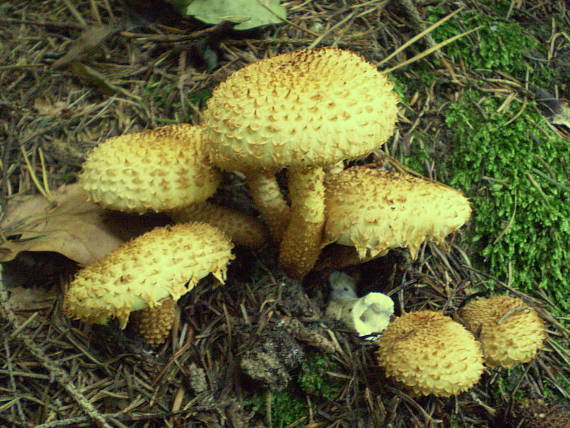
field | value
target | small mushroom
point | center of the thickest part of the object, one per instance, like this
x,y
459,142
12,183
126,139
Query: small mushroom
x,y
164,263
164,170
302,110
510,332
429,353
376,210
368,315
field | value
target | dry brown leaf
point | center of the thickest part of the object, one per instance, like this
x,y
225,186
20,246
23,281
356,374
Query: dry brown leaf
x,y
69,225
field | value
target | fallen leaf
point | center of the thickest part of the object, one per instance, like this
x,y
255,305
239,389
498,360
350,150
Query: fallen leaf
x,y
246,14
70,225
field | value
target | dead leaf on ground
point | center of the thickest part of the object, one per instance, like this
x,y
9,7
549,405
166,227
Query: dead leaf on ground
x,y
69,225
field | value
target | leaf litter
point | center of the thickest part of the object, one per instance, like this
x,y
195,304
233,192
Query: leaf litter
x,y
69,224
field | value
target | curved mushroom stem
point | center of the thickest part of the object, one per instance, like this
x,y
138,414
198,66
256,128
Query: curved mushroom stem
x,y
154,324
269,201
241,228
302,241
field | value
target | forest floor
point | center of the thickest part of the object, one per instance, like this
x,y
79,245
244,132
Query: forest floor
x,y
485,114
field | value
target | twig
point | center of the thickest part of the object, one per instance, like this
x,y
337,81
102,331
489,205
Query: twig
x,y
13,381
420,35
431,50
511,312
420,24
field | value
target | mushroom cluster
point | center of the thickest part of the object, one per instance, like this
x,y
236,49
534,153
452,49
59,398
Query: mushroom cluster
x,y
307,111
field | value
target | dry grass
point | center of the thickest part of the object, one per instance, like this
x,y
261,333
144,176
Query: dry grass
x,y
143,68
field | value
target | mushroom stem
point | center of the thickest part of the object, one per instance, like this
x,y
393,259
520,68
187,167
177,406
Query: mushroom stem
x,y
241,228
154,323
302,240
269,201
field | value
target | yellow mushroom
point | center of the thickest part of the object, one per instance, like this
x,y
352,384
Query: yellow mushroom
x,y
376,210
164,170
303,110
154,170
164,263
429,353
510,332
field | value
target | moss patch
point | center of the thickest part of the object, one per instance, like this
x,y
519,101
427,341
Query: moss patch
x,y
515,169
498,45
313,377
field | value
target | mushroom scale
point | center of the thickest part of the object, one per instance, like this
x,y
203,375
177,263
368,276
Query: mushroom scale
x,y
377,210
165,262
430,353
153,170
510,332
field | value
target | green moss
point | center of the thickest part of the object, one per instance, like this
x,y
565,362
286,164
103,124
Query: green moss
x,y
400,88
199,97
507,382
516,172
419,154
498,45
285,407
313,377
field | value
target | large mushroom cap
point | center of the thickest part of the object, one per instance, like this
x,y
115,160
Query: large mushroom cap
x,y
376,210
154,170
304,108
510,332
430,354
165,262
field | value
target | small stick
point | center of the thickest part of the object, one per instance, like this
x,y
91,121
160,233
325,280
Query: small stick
x,y
511,312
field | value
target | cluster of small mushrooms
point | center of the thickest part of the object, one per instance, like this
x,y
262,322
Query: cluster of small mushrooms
x,y
307,111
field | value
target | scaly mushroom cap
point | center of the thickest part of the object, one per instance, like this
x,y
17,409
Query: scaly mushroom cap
x,y
430,354
310,107
377,210
165,262
152,170
509,331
